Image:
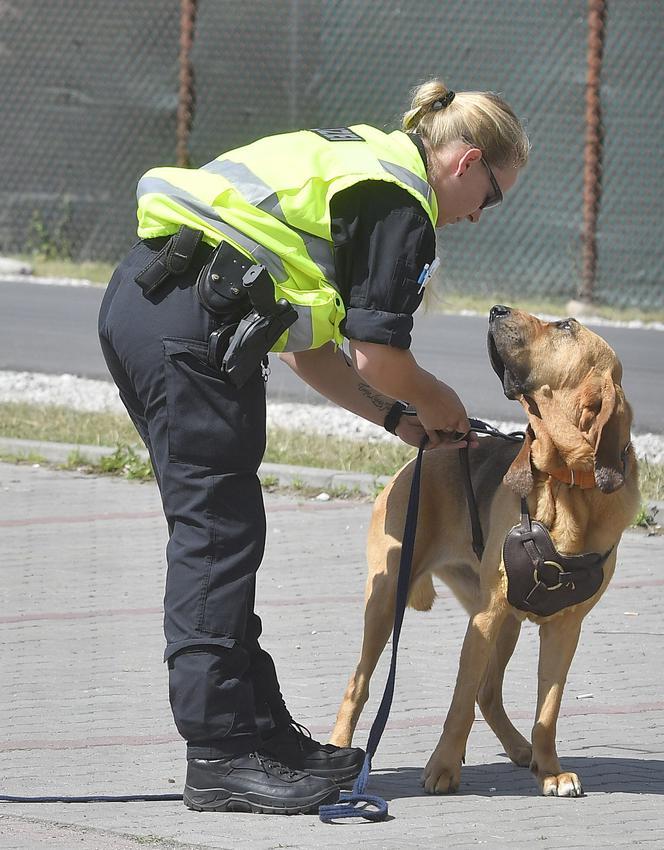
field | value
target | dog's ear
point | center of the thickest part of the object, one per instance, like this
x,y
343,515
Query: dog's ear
x,y
609,467
519,477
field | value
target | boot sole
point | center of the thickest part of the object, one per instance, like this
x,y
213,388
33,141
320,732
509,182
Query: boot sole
x,y
221,800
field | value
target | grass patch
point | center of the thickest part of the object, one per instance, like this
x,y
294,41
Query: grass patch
x,y
124,461
63,425
22,457
297,448
453,302
91,270
651,481
302,448
647,518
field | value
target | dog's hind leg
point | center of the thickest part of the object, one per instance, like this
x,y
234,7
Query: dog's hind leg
x,y
378,620
490,696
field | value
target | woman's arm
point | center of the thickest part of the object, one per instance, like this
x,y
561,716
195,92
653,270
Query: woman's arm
x,y
380,375
395,371
332,375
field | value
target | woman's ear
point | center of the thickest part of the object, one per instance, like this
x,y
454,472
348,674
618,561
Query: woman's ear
x,y
466,159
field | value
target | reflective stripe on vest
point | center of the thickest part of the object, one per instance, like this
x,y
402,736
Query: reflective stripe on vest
x,y
405,176
270,260
258,193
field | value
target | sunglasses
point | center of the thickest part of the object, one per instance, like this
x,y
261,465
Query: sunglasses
x,y
494,197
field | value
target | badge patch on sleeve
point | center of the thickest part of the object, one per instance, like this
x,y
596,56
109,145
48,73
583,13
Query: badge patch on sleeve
x,y
338,134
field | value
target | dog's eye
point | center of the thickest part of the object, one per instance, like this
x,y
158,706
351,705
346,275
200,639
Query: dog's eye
x,y
565,324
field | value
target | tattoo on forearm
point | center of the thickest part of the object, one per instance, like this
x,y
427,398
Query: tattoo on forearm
x,y
378,400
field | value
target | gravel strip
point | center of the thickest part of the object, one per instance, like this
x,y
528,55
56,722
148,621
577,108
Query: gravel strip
x,y
87,395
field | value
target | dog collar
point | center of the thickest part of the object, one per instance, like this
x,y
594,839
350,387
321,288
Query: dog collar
x,y
583,478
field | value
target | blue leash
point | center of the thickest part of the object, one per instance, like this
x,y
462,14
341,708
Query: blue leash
x,y
347,807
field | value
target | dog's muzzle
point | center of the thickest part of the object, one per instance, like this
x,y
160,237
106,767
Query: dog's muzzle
x,y
512,387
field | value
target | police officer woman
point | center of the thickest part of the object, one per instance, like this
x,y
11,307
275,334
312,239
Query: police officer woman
x,y
292,244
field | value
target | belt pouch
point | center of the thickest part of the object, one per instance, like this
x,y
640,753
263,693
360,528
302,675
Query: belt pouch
x,y
174,258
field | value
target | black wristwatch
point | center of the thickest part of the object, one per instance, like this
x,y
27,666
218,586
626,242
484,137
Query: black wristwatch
x,y
394,415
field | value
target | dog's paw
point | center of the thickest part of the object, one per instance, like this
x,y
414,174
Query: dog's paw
x,y
439,778
563,785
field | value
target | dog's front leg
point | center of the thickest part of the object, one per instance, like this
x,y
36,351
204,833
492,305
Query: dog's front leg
x,y
443,771
558,641
490,696
378,619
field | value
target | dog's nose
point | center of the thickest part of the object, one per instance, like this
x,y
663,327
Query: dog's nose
x,y
498,311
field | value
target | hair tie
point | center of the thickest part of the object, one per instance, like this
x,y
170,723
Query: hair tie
x,y
443,101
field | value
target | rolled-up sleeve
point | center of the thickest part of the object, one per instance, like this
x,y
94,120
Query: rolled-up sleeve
x,y
382,240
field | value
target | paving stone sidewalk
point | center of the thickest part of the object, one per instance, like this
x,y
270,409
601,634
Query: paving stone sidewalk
x,y
84,703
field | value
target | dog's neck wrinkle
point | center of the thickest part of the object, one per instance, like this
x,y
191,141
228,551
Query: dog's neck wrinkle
x,y
551,463
565,513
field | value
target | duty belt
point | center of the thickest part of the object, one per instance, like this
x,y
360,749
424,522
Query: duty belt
x,y
238,292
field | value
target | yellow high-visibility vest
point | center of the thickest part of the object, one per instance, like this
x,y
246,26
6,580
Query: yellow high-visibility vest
x,y
271,200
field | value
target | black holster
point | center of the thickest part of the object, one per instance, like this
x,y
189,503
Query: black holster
x,y
240,294
219,285
253,339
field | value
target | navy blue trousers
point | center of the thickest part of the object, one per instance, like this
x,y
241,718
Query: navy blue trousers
x,y
206,440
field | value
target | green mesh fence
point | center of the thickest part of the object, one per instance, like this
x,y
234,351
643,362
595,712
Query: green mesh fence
x,y
90,97
88,101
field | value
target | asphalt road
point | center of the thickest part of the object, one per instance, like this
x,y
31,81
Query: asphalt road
x,y
53,329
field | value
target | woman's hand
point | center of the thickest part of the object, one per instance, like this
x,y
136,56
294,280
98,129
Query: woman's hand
x,y
411,431
442,417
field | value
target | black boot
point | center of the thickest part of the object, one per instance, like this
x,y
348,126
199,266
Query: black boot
x,y
254,782
294,746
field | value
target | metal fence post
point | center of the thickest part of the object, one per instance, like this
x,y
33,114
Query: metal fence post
x,y
592,159
186,92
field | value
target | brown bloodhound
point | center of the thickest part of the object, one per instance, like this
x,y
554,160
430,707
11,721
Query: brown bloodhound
x,y
576,475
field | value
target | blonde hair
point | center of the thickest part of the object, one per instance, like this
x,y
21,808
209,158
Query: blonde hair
x,y
483,119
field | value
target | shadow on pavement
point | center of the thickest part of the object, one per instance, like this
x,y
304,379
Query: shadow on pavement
x,y
500,779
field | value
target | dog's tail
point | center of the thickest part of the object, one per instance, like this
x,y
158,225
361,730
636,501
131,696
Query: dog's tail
x,y
422,594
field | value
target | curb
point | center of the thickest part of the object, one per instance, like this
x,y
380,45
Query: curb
x,y
284,474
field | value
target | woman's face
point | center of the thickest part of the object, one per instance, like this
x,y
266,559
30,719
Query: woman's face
x,y
463,182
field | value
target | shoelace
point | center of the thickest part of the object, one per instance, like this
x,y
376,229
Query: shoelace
x,y
302,735
272,765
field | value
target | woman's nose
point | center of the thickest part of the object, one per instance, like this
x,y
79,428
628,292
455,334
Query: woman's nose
x,y
474,217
